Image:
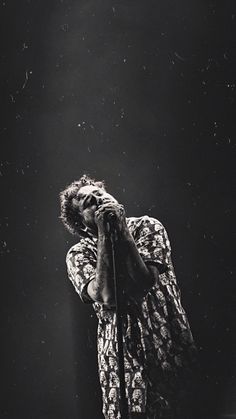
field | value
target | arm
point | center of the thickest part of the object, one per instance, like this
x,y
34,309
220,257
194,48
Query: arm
x,y
101,288
139,278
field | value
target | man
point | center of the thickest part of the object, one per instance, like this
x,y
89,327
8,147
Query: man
x,y
158,345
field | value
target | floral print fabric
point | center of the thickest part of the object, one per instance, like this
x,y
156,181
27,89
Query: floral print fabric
x,y
158,344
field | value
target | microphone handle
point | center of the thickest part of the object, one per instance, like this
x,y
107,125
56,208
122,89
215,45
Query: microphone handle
x,y
111,218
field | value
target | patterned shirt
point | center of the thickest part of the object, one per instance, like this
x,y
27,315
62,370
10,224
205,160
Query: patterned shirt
x,y
158,344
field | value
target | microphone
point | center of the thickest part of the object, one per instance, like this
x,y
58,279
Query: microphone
x,y
111,218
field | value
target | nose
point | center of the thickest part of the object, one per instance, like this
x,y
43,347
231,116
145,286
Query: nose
x,y
99,200
103,200
89,200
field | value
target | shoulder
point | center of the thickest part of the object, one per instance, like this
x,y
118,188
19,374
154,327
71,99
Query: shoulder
x,y
140,223
84,245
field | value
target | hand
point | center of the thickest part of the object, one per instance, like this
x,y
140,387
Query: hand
x,y
103,220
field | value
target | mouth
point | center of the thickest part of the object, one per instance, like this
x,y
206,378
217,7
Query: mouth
x,y
91,200
105,201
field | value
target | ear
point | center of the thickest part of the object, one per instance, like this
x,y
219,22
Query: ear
x,y
75,203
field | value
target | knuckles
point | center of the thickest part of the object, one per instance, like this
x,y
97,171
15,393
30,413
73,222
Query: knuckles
x,y
103,209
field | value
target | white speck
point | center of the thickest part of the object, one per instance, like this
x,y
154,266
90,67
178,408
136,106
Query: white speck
x,y
179,56
24,46
26,79
64,27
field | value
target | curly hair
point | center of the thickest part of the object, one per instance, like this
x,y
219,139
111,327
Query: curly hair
x,y
70,215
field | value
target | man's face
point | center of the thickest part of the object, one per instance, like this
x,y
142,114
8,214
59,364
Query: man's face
x,y
138,378
88,200
112,362
112,393
137,394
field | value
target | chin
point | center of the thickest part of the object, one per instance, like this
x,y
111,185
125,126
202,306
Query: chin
x,y
93,228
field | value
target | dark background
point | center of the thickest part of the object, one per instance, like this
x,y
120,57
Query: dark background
x,y
141,94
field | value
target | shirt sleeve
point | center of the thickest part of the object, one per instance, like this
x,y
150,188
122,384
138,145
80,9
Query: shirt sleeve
x,y
81,268
153,243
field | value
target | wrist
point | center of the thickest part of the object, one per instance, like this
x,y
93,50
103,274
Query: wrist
x,y
125,234
102,235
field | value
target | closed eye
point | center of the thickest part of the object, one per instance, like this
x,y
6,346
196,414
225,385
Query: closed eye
x,y
97,193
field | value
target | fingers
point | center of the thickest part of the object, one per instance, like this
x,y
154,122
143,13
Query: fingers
x,y
116,208
102,217
103,211
110,204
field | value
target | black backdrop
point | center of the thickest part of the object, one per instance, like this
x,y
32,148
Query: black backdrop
x,y
141,94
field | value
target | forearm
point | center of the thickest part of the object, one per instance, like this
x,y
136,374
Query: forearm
x,y
133,274
138,279
101,288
